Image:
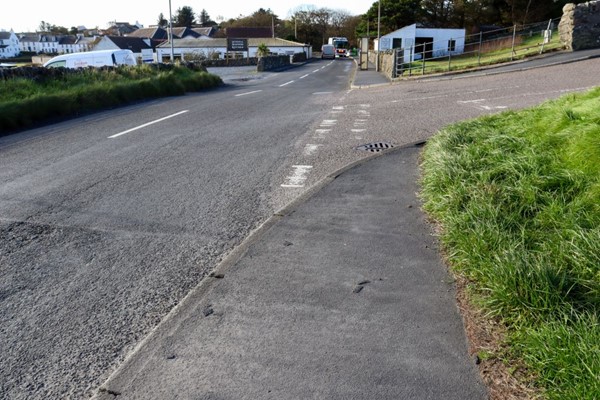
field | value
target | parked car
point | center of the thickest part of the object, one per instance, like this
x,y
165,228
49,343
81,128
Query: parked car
x,y
100,58
327,51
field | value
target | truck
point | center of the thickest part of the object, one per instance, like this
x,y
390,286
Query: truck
x,y
341,44
100,58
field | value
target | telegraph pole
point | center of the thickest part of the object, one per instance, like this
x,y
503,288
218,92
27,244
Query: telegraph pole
x,y
171,34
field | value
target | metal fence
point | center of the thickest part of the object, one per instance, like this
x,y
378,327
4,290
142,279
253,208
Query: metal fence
x,y
487,47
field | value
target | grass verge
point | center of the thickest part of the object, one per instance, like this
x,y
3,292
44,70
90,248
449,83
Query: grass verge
x,y
517,196
25,101
526,48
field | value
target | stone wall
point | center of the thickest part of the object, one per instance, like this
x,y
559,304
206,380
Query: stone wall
x,y
386,62
579,26
272,62
234,62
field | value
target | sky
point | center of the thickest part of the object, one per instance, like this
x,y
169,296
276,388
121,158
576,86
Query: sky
x,y
25,16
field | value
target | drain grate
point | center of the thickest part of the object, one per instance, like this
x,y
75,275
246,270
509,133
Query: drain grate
x,y
375,147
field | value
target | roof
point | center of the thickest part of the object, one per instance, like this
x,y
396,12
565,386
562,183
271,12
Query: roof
x,y
182,32
252,42
206,31
149,33
29,37
262,32
129,43
5,35
69,39
421,27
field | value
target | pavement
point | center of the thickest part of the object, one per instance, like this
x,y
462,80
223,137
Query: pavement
x,y
342,295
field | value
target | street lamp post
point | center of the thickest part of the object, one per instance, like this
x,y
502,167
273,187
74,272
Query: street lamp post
x,y
171,34
378,35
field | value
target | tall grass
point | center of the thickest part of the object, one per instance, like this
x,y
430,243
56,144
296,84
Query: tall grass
x,y
27,101
518,197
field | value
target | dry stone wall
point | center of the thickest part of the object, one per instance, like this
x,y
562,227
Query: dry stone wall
x,y
579,26
386,61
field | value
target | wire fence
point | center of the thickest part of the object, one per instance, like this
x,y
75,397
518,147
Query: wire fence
x,y
487,47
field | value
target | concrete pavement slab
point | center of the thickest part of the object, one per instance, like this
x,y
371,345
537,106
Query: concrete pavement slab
x,y
345,297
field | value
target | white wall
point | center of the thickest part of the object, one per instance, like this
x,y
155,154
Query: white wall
x,y
441,39
178,51
13,48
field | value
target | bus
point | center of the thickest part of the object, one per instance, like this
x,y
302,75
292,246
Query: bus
x,y
342,46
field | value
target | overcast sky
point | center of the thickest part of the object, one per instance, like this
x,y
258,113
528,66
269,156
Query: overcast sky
x,y
25,16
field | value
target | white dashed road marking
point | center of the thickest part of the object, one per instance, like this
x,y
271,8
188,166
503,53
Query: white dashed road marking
x,y
298,177
247,93
147,124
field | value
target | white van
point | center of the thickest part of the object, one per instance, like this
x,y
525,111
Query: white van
x,y
99,58
327,51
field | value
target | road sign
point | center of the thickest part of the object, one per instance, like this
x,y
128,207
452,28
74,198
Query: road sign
x,y
237,44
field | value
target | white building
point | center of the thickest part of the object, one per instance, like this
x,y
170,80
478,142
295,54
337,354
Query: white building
x,y
55,44
217,48
9,45
418,41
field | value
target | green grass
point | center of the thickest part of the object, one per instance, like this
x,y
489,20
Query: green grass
x,y
518,199
28,101
527,46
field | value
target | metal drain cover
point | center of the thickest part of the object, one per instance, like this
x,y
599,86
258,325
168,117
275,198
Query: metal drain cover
x,y
375,147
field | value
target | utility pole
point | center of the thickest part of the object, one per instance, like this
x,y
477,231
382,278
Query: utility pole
x,y
171,34
378,35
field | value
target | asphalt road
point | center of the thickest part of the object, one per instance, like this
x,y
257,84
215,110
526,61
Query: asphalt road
x,y
107,222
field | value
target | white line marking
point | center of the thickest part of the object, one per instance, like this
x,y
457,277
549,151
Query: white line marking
x,y
322,93
329,122
299,176
338,107
304,76
287,83
470,101
147,124
247,93
316,70
311,149
357,130
322,131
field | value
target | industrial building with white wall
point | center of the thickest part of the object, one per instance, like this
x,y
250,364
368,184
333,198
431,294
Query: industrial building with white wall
x,y
418,41
217,48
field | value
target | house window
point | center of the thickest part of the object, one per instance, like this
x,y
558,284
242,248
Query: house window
x,y
451,45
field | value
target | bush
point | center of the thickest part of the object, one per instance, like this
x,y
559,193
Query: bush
x,y
32,95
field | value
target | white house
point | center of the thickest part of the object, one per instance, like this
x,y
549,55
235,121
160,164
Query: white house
x,y
9,45
418,41
217,48
48,43
141,47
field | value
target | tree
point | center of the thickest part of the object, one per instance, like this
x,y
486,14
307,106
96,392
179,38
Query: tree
x,y
184,16
205,20
162,21
320,19
395,14
262,50
45,26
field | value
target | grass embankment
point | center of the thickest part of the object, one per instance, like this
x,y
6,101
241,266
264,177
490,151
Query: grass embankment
x,y
517,196
525,47
32,100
